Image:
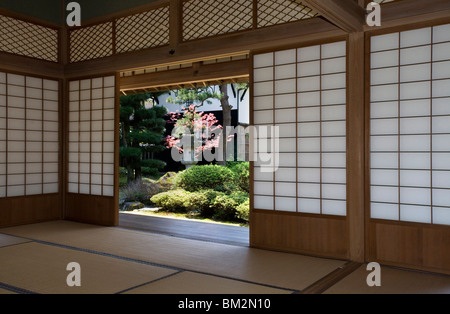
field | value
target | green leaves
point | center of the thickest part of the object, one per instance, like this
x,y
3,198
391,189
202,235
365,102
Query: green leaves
x,y
130,152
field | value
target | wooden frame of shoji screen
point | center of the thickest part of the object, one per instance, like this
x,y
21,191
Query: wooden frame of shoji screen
x,y
412,116
29,135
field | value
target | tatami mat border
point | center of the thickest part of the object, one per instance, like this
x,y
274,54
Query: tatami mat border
x,y
15,289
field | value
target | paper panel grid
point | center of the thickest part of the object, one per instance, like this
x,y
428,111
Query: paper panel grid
x,y
410,133
302,94
91,143
29,135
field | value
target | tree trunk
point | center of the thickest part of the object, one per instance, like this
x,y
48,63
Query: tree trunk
x,y
226,110
138,173
125,143
138,166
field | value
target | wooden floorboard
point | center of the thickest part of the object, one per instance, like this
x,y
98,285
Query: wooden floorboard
x,y
189,229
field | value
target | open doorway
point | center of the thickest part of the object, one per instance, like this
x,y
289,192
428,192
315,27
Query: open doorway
x,y
161,190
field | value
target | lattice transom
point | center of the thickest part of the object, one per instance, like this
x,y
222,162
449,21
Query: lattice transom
x,y
271,12
205,18
143,30
27,39
91,42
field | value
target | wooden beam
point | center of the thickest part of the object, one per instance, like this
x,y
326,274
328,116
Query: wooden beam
x,y
196,74
346,14
295,33
123,13
412,12
30,66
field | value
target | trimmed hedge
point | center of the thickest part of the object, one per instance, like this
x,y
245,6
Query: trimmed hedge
x,y
209,203
174,201
243,211
213,177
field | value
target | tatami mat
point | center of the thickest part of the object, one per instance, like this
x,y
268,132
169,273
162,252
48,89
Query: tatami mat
x,y
288,271
4,291
42,268
393,281
6,240
195,283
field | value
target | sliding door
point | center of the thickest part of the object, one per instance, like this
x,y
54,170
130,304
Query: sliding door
x,y
30,151
92,167
409,148
299,109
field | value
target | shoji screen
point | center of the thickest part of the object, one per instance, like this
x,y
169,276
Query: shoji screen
x,y
299,110
410,126
302,92
91,151
29,135
91,136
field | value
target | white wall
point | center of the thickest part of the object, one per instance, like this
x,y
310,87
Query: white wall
x,y
244,105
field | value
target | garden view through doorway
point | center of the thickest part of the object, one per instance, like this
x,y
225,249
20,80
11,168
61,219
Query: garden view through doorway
x,y
169,188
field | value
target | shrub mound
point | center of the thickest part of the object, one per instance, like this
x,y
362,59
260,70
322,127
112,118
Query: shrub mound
x,y
212,191
208,203
214,177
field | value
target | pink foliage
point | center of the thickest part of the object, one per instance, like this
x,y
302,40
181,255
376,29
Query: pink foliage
x,y
203,126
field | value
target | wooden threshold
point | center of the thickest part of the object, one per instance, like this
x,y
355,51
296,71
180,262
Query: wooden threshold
x,y
331,279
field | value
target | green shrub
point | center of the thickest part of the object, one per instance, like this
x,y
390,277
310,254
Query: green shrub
x,y
208,210
197,201
173,201
242,173
208,203
243,211
185,201
168,181
214,177
225,206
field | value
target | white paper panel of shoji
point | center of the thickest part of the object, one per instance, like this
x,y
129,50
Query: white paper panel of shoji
x,y
410,116
91,136
29,135
321,129
302,92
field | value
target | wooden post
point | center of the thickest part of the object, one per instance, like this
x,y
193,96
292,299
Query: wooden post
x,y
175,23
355,145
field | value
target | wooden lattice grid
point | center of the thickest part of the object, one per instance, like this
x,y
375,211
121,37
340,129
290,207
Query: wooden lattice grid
x,y
91,42
272,12
143,30
28,39
206,18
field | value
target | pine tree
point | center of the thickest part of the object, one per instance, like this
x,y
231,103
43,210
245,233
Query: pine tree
x,y
142,131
